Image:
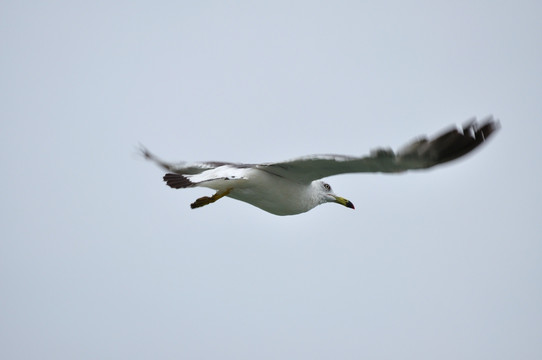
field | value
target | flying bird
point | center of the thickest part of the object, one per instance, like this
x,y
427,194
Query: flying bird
x,y
294,186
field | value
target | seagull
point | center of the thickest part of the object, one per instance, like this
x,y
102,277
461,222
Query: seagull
x,y
293,187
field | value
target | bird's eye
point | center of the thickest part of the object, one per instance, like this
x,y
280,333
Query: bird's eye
x,y
327,187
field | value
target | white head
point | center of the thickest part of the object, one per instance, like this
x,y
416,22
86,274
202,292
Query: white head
x,y
326,194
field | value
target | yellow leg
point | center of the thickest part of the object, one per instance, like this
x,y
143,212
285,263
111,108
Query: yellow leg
x,y
202,201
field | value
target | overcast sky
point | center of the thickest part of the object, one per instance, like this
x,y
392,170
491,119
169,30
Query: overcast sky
x,y
100,260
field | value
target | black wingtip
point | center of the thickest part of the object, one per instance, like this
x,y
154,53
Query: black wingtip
x,y
144,152
456,143
487,127
177,181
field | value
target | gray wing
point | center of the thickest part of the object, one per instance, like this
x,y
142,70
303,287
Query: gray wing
x,y
422,153
185,168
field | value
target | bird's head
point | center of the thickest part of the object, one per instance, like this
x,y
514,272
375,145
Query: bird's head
x,y
327,195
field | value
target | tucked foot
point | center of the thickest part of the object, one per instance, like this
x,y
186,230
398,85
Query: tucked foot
x,y
202,201
205,200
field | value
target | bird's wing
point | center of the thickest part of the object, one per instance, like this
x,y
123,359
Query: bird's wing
x,y
422,153
186,168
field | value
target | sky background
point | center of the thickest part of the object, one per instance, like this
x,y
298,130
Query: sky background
x,y
100,260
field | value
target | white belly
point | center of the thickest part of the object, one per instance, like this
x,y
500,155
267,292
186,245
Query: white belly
x,y
274,194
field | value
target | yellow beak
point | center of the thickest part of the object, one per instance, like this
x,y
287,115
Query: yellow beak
x,y
343,201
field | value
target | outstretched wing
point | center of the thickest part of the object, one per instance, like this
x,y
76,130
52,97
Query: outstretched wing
x,y
186,168
422,153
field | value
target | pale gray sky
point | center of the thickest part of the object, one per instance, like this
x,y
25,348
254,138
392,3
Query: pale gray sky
x,y
99,259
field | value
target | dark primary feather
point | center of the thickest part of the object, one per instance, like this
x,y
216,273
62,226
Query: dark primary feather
x,y
422,153
451,145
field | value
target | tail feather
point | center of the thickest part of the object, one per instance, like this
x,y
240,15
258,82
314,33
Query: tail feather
x,y
177,181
